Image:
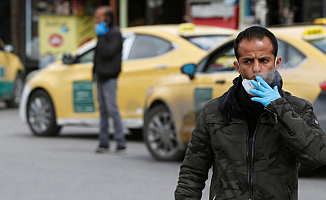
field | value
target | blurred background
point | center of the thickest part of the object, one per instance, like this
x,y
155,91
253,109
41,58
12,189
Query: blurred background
x,y
20,19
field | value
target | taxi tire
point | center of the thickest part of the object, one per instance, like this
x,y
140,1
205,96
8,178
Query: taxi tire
x,y
18,89
53,129
179,151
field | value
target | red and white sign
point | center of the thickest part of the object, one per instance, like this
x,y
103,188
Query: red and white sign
x,y
55,40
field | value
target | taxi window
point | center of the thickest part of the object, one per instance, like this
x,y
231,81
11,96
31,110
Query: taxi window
x,y
222,61
291,57
320,44
222,58
146,46
127,41
206,42
86,57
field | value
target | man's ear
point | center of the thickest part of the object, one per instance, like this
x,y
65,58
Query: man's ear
x,y
236,65
278,62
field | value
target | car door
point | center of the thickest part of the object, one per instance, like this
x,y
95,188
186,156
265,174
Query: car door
x,y
77,83
76,96
149,59
214,76
5,86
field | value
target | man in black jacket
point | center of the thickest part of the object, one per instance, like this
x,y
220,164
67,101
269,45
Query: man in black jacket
x,y
253,136
107,66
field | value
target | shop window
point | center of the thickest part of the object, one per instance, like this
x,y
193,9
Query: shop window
x,y
146,46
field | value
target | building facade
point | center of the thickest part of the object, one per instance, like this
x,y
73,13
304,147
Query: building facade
x,y
19,19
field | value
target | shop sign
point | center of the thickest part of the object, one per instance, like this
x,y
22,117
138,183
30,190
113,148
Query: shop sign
x,y
212,10
55,40
62,33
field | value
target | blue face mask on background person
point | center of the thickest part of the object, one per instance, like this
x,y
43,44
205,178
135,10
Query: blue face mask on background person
x,y
101,28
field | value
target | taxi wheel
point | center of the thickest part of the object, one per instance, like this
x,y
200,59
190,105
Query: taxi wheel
x,y
160,136
41,115
18,88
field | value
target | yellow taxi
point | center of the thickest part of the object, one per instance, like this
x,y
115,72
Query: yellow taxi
x,y
63,93
12,74
174,102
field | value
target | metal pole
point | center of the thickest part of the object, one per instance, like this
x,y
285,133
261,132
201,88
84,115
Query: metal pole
x,y
123,14
242,11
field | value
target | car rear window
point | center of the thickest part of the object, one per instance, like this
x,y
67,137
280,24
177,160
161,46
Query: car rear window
x,y
206,41
319,44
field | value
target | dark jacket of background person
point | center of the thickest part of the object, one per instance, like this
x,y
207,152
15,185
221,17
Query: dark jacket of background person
x,y
266,164
107,58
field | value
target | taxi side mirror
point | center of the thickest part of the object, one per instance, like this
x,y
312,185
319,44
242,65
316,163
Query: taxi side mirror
x,y
67,59
189,69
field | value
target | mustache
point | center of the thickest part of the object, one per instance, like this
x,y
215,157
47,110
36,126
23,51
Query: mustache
x,y
267,76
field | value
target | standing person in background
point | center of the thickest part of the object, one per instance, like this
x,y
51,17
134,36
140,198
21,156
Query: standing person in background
x,y
255,134
107,66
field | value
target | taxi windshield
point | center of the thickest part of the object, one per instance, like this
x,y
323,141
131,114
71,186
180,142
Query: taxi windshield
x,y
319,44
206,41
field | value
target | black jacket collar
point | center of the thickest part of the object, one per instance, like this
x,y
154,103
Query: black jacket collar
x,y
233,103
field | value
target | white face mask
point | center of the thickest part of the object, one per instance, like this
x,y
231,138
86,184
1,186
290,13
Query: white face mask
x,y
246,83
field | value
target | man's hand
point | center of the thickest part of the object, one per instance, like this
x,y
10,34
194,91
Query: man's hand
x,y
101,29
264,91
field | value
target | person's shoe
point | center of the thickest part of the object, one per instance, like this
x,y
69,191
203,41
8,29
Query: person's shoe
x,y
102,149
121,150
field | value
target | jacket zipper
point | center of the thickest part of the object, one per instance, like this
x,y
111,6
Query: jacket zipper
x,y
289,191
250,157
215,196
250,165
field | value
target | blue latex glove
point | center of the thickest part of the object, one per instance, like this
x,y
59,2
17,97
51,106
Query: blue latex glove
x,y
101,29
265,92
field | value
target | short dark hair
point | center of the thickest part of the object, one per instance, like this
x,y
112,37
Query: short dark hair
x,y
255,32
108,12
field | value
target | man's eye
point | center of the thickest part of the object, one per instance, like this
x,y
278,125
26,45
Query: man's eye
x,y
246,62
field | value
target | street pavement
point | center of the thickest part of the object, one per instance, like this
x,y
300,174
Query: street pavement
x,y
67,168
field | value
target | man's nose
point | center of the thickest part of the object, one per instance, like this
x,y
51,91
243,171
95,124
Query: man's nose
x,y
256,67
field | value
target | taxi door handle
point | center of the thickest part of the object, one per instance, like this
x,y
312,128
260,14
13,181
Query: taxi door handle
x,y
160,67
220,81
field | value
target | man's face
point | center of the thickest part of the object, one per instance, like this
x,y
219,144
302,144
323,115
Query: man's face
x,y
99,15
256,59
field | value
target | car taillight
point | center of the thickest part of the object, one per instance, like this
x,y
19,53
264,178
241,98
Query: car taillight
x,y
323,86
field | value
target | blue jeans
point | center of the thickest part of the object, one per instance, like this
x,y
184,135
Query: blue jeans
x,y
106,95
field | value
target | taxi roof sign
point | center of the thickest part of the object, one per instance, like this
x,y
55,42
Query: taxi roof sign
x,y
313,33
187,27
320,21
